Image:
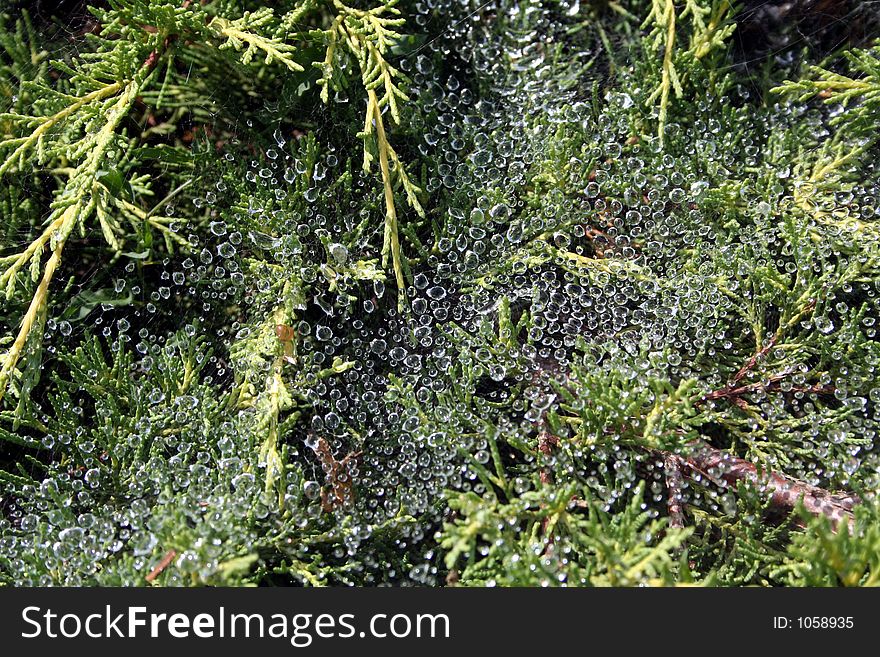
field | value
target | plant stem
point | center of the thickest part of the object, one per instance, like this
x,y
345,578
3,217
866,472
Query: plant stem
x,y
392,238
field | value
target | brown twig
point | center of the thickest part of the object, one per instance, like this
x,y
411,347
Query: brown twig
x,y
751,362
783,492
773,384
547,442
162,565
674,486
733,391
340,485
152,59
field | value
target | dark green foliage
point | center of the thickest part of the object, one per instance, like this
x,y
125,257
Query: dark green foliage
x,y
438,293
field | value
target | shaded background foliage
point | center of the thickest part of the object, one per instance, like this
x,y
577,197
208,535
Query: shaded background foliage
x,y
439,293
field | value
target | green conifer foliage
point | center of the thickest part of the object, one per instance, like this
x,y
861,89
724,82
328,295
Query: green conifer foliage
x,y
547,292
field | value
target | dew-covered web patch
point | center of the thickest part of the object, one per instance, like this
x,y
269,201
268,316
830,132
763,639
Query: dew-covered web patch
x,y
636,326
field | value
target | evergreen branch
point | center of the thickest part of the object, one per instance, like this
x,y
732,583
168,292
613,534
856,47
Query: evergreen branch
x,y
45,124
74,205
824,556
327,67
275,401
291,21
706,37
239,34
663,16
368,34
390,164
858,95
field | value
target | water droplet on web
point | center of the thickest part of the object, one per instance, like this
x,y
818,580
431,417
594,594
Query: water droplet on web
x,y
437,292
514,233
339,253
